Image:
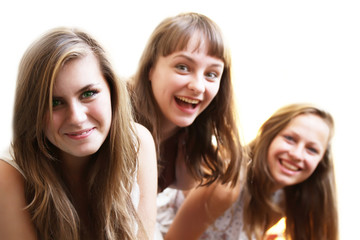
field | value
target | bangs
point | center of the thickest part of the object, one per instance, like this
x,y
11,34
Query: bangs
x,y
177,35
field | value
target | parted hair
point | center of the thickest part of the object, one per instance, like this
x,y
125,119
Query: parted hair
x,y
112,169
310,206
218,120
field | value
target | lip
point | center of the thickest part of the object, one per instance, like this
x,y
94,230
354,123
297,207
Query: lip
x,y
78,135
188,100
187,104
288,167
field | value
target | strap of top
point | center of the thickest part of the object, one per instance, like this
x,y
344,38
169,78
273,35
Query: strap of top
x,y
8,157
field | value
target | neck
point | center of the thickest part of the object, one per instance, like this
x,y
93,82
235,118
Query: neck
x,y
276,186
168,130
74,168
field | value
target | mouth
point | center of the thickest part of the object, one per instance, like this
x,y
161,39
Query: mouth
x,y
289,166
187,102
80,133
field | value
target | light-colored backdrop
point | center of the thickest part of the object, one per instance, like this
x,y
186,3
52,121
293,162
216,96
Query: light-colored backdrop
x,y
283,51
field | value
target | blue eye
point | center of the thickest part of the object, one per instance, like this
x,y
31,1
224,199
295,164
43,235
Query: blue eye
x,y
289,138
313,150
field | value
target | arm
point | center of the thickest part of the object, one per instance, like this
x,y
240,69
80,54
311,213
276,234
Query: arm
x,y
202,206
15,221
147,180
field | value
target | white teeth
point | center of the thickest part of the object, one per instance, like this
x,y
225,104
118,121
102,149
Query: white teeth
x,y
187,100
83,133
289,166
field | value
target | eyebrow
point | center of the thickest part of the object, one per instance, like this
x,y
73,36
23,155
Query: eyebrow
x,y
87,87
193,61
313,143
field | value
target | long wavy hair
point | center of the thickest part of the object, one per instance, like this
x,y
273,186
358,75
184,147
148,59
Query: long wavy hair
x,y
310,206
112,169
218,121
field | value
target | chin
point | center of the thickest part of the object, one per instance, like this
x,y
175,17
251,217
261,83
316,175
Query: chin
x,y
86,152
185,123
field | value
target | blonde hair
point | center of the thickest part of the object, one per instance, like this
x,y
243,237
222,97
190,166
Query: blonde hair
x,y
219,119
310,211
112,169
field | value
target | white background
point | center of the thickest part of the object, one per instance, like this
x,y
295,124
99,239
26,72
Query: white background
x,y
283,52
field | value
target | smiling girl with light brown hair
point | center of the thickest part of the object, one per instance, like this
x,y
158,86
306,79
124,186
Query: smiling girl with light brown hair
x,y
78,167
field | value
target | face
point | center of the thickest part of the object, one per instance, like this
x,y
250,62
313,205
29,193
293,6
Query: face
x,y
296,151
184,83
81,108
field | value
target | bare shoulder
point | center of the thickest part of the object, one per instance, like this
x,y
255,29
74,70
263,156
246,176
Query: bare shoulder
x,y
147,179
143,133
10,178
146,142
13,215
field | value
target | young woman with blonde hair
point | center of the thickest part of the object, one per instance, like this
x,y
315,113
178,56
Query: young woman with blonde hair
x,y
79,167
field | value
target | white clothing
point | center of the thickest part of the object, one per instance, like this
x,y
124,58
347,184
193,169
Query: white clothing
x,y
8,156
226,227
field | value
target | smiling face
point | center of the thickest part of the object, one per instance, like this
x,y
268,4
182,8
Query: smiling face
x,y
184,83
296,151
81,108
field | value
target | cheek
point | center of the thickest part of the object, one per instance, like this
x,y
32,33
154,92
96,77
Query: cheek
x,y
50,128
313,165
270,156
212,90
103,111
273,148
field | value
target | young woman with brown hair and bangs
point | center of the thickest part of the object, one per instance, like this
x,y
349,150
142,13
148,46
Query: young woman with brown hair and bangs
x,y
81,168
182,92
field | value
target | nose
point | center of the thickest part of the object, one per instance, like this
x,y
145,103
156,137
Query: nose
x,y
77,113
297,152
196,84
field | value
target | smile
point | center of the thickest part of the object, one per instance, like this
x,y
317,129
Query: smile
x,y
289,166
185,101
80,134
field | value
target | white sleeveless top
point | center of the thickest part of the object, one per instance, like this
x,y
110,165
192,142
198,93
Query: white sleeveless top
x,y
229,226
8,156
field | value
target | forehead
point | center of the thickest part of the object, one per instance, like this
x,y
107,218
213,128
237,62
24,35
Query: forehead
x,y
310,127
192,41
78,72
197,43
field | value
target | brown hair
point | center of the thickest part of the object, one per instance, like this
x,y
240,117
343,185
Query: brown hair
x,y
218,120
111,175
307,217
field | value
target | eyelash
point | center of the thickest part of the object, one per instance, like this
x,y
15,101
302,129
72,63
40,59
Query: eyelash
x,y
185,68
182,67
289,138
313,150
93,92
57,101
213,75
